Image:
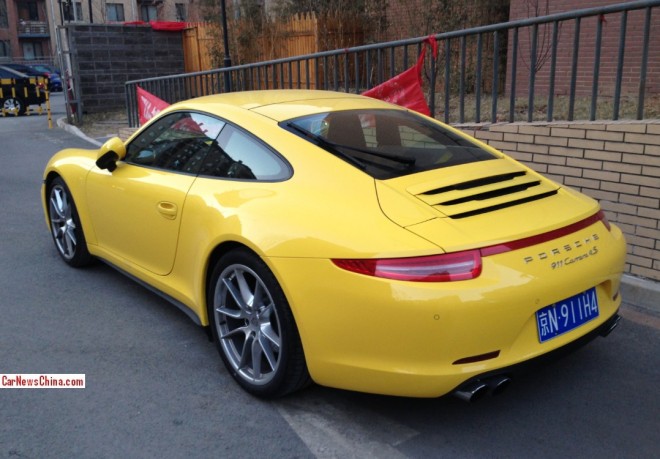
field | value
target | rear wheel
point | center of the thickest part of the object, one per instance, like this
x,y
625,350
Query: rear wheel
x,y
65,225
14,105
254,328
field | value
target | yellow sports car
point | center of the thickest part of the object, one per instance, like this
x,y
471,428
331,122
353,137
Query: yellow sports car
x,y
334,238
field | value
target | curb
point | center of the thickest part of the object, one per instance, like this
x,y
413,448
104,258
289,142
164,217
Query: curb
x,y
641,293
62,123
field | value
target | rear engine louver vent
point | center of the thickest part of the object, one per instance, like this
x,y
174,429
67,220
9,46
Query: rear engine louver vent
x,y
473,197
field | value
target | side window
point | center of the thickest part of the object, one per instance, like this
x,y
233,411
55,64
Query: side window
x,y
176,142
241,156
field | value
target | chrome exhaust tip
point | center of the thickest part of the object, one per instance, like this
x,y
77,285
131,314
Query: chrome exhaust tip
x,y
611,325
472,392
498,384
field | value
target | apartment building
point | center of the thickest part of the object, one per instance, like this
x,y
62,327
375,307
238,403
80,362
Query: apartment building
x,y
28,27
24,30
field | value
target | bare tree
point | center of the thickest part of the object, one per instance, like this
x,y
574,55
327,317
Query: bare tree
x,y
537,8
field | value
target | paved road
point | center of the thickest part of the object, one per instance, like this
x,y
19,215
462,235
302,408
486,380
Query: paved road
x,y
156,386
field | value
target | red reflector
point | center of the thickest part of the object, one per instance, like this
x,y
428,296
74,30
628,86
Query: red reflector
x,y
477,358
435,268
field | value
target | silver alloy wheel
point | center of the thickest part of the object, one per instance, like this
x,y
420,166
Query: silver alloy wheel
x,y
13,105
61,221
248,324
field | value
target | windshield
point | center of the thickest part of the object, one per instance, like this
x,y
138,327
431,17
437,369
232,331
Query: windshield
x,y
387,143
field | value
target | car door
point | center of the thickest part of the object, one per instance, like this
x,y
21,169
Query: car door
x,y
136,210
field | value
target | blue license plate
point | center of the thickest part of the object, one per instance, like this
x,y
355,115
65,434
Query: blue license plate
x,y
566,315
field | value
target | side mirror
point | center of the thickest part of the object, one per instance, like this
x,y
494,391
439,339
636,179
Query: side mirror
x,y
112,151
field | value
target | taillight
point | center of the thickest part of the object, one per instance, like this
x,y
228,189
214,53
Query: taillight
x,y
545,237
458,265
435,268
603,218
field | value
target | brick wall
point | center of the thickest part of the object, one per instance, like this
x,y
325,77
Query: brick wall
x,y
609,50
106,56
416,18
617,163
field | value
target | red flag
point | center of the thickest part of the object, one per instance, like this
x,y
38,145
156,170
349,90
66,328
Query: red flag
x,y
405,89
148,105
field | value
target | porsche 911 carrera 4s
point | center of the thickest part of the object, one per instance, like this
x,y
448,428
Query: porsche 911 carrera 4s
x,y
332,238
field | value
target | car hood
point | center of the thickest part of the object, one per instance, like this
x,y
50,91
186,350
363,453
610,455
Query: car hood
x,y
480,204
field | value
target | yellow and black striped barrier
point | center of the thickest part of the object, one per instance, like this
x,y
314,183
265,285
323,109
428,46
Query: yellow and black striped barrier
x,y
18,98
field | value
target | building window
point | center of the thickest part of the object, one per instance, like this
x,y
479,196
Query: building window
x,y
4,49
114,12
68,11
32,50
149,13
28,11
4,17
181,12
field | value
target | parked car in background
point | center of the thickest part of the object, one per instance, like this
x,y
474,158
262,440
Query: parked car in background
x,y
18,90
54,80
54,76
46,68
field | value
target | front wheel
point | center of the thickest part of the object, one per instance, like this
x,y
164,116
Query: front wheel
x,y
65,225
254,328
14,105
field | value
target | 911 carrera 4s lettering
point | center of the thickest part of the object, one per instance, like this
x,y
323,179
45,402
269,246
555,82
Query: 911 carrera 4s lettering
x,y
566,315
571,260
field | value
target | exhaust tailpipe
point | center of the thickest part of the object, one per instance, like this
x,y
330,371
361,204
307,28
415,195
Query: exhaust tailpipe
x,y
476,390
471,392
498,384
612,324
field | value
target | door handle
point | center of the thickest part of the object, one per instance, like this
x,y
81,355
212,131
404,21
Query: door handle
x,y
167,209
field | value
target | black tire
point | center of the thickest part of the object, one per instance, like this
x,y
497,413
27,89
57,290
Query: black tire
x,y
12,103
65,226
260,344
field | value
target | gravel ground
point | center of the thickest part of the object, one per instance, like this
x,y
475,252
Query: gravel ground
x,y
104,125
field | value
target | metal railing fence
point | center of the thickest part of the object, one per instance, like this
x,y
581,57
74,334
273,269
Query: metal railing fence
x,y
477,71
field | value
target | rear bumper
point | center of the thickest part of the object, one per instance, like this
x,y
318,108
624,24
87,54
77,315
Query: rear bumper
x,y
529,365
426,339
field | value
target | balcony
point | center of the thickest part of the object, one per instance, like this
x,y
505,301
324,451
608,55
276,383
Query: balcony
x,y
33,29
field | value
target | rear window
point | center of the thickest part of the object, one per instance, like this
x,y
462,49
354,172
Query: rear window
x,y
387,143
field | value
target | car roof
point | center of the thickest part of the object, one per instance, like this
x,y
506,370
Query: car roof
x,y
26,69
283,104
45,67
7,71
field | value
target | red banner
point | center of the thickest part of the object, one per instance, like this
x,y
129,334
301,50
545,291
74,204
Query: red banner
x,y
168,26
405,89
148,105
165,26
